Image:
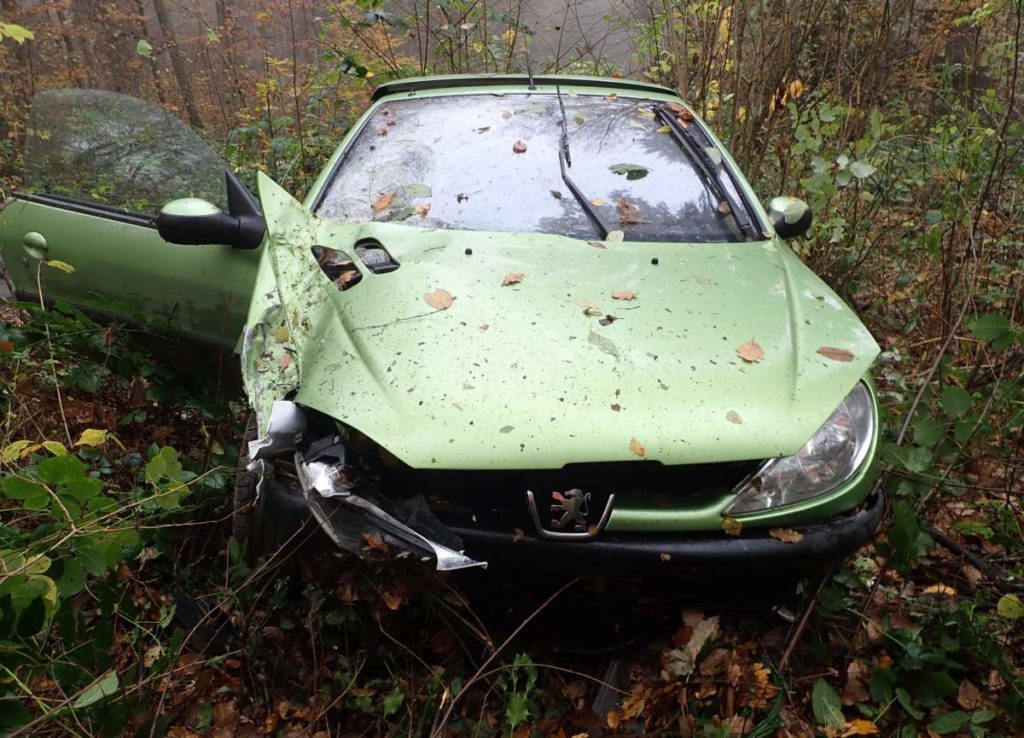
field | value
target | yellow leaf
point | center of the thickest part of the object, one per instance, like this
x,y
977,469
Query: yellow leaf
x,y
939,589
55,447
61,265
18,450
731,526
796,89
282,334
93,437
860,727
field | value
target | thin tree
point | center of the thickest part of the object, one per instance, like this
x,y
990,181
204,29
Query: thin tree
x,y
179,64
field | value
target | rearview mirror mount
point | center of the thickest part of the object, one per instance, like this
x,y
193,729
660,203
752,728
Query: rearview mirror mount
x,y
191,221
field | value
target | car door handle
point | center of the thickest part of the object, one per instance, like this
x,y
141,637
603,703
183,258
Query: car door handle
x,y
35,245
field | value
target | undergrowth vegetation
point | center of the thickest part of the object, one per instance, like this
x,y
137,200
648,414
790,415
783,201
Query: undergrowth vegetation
x,y
125,608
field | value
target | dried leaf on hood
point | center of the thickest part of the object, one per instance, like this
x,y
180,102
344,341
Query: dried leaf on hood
x,y
382,131
391,121
597,202
836,354
589,309
383,202
439,299
614,237
637,448
624,295
512,278
519,147
422,210
786,535
628,213
734,417
596,244
750,352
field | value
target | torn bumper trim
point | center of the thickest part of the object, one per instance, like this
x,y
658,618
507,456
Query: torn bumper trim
x,y
822,544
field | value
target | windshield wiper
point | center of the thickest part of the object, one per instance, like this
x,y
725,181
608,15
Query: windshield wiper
x,y
565,161
689,138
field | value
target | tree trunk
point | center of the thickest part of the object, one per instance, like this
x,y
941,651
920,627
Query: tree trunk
x,y
179,64
154,66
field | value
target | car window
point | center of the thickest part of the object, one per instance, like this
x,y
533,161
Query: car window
x,y
489,162
117,151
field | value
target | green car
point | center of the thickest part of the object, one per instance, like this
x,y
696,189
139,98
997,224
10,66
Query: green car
x,y
514,318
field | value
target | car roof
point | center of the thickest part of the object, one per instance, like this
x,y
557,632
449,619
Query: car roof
x,y
455,81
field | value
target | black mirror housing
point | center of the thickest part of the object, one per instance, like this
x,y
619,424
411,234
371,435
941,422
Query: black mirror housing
x,y
242,227
790,217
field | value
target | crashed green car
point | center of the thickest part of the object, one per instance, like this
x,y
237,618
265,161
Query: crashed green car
x,y
514,318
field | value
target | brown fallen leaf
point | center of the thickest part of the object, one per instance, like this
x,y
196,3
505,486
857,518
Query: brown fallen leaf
x,y
616,407
383,202
512,278
439,299
637,448
597,202
750,352
422,210
382,131
519,147
517,534
968,696
628,213
724,208
786,535
391,121
836,354
596,244
624,295
859,727
665,556
734,417
484,326
392,600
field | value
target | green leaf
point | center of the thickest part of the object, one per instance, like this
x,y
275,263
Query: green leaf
x,y
928,431
164,465
393,701
418,189
994,329
949,722
13,713
15,488
903,697
955,401
60,469
18,34
72,579
1010,607
518,710
826,705
32,618
102,687
632,171
861,169
144,48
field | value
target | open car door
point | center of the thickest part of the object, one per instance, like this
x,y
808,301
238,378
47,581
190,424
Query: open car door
x,y
99,166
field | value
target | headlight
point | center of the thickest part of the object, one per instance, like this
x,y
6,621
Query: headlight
x,y
830,459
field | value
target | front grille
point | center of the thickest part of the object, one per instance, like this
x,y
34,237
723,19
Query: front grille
x,y
496,500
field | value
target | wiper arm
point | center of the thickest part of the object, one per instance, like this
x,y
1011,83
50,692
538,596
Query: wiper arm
x,y
694,143
565,161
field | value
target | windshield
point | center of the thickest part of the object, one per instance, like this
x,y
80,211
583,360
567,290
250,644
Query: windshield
x,y
490,163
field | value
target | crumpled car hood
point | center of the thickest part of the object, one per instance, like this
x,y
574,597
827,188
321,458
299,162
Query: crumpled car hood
x,y
522,376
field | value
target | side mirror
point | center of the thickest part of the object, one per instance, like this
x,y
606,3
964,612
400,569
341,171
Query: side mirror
x,y
192,221
789,216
